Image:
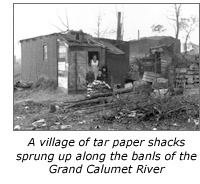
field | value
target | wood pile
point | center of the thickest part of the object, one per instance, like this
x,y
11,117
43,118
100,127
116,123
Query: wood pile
x,y
98,87
187,78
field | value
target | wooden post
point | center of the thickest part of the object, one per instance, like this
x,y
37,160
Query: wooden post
x,y
155,64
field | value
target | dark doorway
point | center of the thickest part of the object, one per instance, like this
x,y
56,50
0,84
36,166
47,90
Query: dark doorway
x,y
90,56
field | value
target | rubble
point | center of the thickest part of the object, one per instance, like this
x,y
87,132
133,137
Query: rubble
x,y
17,127
64,127
52,108
160,83
54,127
39,123
19,85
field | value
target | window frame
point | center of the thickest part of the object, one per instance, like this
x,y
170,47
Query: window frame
x,y
45,52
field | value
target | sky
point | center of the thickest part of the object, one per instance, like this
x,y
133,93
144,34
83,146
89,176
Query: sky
x,y
32,20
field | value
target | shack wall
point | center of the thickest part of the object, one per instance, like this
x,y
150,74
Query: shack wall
x,y
125,47
116,68
33,64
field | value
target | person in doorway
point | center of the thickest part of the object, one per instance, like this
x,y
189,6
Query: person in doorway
x,y
90,76
100,76
95,66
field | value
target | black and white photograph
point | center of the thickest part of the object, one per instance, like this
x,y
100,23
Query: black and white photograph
x,y
106,67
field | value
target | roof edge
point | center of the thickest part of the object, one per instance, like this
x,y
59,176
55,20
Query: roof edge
x,y
38,37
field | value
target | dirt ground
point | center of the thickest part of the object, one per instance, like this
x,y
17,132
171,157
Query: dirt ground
x,y
31,106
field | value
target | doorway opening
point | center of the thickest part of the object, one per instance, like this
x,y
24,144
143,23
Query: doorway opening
x,y
91,55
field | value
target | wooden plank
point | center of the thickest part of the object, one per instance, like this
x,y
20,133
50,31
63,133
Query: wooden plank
x,y
81,70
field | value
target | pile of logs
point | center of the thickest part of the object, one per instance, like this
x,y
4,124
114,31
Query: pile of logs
x,y
98,87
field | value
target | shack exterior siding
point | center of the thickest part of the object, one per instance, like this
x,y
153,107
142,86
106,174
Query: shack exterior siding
x,y
125,47
116,68
67,58
33,63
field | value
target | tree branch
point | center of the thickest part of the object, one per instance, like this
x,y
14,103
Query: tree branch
x,y
62,21
67,18
56,27
104,31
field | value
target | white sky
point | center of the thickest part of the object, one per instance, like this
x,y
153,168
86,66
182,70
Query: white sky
x,y
35,19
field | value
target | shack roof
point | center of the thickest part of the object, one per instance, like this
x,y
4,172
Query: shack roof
x,y
111,48
38,37
153,38
86,41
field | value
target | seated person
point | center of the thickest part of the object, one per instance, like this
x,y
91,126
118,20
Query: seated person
x,y
90,76
100,76
105,74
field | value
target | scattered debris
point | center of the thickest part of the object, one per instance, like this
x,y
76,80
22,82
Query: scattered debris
x,y
82,122
54,127
17,127
57,123
121,109
19,85
64,127
52,108
40,123
97,127
45,83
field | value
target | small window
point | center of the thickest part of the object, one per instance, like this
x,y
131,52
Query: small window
x,y
62,51
77,36
44,52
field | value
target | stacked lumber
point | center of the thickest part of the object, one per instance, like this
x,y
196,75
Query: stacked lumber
x,y
187,78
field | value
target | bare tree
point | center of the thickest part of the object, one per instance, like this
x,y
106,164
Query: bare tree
x,y
189,25
175,17
101,32
65,23
99,23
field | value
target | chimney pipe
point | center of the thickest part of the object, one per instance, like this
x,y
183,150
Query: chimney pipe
x,y
138,34
119,26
